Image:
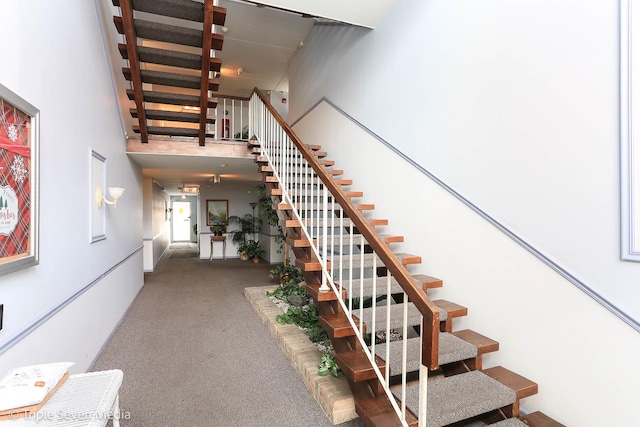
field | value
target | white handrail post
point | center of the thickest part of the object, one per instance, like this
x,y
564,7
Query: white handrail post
x,y
325,224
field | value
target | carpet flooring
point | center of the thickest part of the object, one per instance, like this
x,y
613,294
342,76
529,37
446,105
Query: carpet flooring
x,y
194,353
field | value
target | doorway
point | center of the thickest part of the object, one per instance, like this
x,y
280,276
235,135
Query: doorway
x,y
181,224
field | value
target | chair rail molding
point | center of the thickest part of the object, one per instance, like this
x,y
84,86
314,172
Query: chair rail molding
x,y
629,122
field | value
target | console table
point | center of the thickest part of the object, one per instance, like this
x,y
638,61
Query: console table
x,y
222,239
84,400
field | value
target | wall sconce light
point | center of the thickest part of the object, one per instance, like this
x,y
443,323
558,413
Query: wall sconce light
x,y
114,192
215,179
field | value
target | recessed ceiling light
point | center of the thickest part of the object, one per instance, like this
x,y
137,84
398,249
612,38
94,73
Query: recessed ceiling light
x,y
223,165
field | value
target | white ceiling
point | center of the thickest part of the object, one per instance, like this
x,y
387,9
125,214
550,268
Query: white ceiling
x,y
259,40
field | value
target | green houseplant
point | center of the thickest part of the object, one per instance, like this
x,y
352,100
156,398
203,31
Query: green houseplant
x,y
285,272
248,226
254,250
269,215
218,229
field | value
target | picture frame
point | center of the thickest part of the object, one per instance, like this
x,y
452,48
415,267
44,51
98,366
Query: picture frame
x,y
217,212
629,141
19,182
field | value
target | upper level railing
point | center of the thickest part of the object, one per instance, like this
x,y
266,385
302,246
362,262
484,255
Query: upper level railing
x,y
232,119
338,232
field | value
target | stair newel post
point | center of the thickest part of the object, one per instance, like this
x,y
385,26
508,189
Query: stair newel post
x,y
325,225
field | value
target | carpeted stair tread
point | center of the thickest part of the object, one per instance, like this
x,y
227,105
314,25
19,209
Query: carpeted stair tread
x,y
509,422
460,397
413,317
170,131
168,33
319,222
451,349
342,239
483,344
183,9
171,98
367,260
175,116
423,281
524,387
175,58
175,79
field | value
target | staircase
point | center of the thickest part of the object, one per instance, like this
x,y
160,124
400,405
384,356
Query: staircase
x,y
404,362
164,52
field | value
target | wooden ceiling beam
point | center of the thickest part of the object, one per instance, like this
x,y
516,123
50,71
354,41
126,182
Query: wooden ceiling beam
x,y
132,51
204,72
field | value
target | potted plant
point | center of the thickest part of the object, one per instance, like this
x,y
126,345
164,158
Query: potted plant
x,y
248,226
242,250
218,229
286,272
254,250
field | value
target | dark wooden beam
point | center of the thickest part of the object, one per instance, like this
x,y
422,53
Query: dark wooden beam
x,y
219,15
123,50
216,41
132,51
204,72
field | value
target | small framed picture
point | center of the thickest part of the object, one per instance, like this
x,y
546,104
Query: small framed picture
x,y
217,212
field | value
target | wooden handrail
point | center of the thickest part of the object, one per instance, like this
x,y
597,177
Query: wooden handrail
x,y
429,311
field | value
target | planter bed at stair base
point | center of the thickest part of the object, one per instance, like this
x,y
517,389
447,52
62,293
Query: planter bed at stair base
x,y
332,394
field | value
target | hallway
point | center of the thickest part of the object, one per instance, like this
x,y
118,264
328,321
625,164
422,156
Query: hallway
x,y
194,353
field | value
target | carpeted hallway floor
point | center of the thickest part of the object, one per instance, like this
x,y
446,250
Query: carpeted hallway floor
x,y
194,353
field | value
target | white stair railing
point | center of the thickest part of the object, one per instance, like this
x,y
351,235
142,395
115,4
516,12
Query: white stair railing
x,y
338,234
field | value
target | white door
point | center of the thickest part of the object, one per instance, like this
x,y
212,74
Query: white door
x,y
181,221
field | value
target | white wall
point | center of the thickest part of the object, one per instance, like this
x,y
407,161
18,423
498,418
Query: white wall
x,y
62,70
280,101
548,329
239,195
512,104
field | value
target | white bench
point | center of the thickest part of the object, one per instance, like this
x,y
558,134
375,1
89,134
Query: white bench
x,y
84,400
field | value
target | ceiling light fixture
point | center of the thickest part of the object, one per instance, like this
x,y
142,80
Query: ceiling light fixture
x,y
190,189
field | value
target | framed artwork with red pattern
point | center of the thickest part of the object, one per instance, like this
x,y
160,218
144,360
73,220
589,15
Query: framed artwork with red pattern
x,y
19,140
